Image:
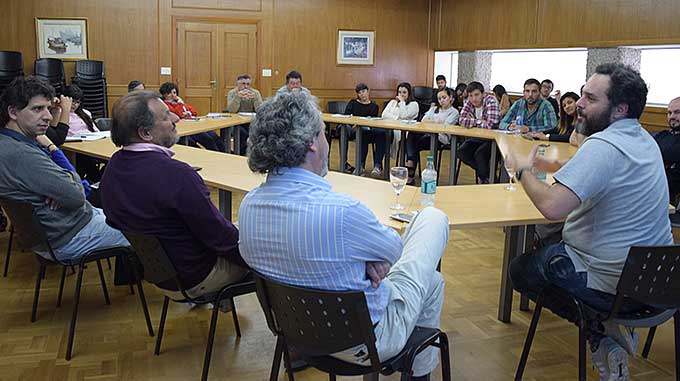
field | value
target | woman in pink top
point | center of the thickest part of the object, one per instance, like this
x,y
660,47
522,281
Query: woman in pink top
x,y
80,121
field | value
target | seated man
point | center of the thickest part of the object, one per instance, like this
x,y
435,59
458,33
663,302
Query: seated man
x,y
441,85
530,113
483,111
27,173
296,230
547,86
145,191
593,190
209,140
669,144
293,84
243,98
135,85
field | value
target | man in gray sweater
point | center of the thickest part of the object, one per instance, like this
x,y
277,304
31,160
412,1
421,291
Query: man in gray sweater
x,y
27,173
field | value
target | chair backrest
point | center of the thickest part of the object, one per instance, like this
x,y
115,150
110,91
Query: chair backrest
x,y
28,232
651,276
158,267
317,322
49,68
337,107
90,69
11,61
422,94
104,124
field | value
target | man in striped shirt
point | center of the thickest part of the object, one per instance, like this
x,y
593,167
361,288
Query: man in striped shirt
x,y
296,230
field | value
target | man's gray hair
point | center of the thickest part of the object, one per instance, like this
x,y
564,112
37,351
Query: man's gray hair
x,y
282,131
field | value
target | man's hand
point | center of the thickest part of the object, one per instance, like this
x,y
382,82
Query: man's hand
x,y
516,162
537,135
52,203
43,140
377,271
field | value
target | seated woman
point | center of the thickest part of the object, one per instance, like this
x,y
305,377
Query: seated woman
x,y
209,140
567,121
402,107
360,106
502,98
444,113
80,122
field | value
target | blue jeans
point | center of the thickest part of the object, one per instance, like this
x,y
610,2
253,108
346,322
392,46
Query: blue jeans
x,y
95,235
550,265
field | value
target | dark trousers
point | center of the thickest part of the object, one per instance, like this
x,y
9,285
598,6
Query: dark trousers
x,y
550,265
416,142
88,168
369,135
673,177
209,140
476,153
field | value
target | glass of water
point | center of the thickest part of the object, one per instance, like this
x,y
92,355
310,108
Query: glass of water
x,y
509,168
398,178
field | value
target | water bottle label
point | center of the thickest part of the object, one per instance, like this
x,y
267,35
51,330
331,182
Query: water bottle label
x,y
428,187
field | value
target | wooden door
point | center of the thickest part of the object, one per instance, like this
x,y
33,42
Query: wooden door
x,y
209,58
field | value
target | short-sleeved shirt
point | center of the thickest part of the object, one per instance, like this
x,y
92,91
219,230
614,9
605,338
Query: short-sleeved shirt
x,y
619,178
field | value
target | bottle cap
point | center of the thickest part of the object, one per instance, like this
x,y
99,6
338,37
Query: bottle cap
x,y
430,158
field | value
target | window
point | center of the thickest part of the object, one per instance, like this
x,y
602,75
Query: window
x,y
657,67
565,67
446,63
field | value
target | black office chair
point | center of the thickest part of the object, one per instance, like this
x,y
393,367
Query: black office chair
x,y
104,124
30,235
318,323
90,69
650,277
422,95
51,70
158,268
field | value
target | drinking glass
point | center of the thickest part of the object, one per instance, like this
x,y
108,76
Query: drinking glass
x,y
509,168
398,177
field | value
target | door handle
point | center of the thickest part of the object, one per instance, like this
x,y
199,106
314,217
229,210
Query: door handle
x,y
213,84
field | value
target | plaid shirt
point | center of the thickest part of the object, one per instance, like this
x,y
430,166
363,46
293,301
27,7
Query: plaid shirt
x,y
491,114
543,119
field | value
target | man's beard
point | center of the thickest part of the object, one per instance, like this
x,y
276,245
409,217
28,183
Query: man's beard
x,y
169,141
594,124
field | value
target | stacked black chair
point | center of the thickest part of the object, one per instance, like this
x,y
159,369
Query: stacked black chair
x,y
422,95
11,66
649,277
319,323
29,234
158,268
90,78
51,70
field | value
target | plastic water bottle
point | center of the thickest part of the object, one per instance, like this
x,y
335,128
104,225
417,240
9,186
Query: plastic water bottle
x,y
519,120
541,152
428,185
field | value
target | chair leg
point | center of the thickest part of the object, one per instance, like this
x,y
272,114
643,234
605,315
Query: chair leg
x,y
145,308
234,316
36,295
76,299
286,362
161,326
676,328
209,345
61,285
445,359
9,252
455,181
101,277
582,351
276,362
648,342
529,339
108,260
331,377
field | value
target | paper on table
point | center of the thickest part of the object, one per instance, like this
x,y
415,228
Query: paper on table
x,y
89,136
506,131
247,113
217,115
341,116
371,118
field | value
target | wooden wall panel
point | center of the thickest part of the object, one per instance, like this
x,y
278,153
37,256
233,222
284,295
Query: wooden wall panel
x,y
236,5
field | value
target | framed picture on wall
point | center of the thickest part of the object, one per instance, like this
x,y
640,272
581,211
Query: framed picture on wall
x,y
356,47
62,38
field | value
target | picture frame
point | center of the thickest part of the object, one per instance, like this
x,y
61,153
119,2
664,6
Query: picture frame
x,y
356,47
62,38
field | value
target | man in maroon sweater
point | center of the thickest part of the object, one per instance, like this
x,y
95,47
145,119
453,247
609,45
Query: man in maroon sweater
x,y
145,191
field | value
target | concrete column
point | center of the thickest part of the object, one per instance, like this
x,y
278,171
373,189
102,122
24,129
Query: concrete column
x,y
598,56
474,66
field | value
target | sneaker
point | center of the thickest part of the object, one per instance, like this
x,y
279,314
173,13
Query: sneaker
x,y
376,173
611,361
675,219
359,172
626,337
349,168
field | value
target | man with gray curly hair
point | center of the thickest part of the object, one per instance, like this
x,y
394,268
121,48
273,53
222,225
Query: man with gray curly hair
x,y
296,230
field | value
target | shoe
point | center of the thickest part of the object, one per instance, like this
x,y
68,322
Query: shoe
x,y
626,337
349,168
611,361
359,172
675,219
376,173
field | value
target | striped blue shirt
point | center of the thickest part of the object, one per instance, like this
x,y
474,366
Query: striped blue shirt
x,y
296,230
